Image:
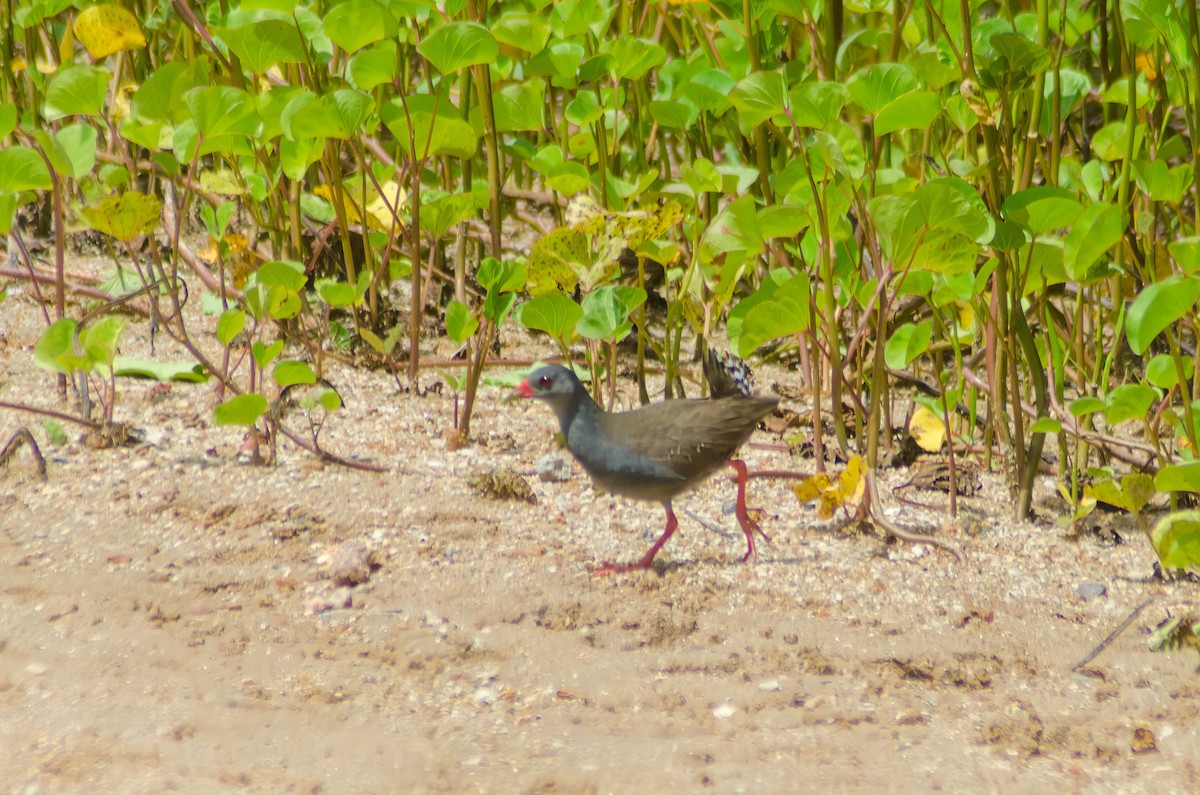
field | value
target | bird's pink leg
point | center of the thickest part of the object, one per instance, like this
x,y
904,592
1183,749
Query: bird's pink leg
x,y
749,526
648,558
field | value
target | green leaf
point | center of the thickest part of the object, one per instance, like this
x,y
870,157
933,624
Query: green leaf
x,y
1127,402
9,201
224,116
457,45
56,340
265,354
1045,425
337,293
1161,372
1161,183
497,305
241,410
521,29
757,98
437,127
583,109
1018,60
701,176
339,114
443,213
8,118
520,107
76,91
597,67
954,205
373,66
186,371
816,104
1176,539
734,232
99,339
500,276
1083,406
79,143
1130,494
907,343
292,372
782,220
1184,250
22,168
913,111
460,323
1179,477
569,178
327,399
633,57
709,91
674,114
778,309
1043,209
603,314
1157,306
287,274
554,313
354,24
900,221
1096,231
261,45
876,86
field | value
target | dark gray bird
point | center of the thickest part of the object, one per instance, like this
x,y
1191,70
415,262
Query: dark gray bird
x,y
659,451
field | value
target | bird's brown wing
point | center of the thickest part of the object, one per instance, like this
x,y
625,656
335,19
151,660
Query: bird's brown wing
x,y
692,437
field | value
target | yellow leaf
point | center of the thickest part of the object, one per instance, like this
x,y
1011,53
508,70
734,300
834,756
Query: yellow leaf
x,y
927,430
125,216
66,48
239,259
580,209
121,102
221,181
848,489
354,214
852,484
105,29
1145,62
809,489
385,204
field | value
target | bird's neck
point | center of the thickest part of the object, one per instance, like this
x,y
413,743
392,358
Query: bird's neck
x,y
578,408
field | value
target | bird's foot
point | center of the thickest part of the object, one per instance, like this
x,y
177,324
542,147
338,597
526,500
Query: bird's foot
x,y
750,527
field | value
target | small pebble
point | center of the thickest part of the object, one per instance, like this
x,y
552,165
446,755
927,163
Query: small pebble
x,y
1091,590
769,686
724,711
351,563
553,468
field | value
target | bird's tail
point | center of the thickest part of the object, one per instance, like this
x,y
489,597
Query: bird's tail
x,y
727,375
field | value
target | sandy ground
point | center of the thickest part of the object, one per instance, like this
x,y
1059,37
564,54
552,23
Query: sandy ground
x,y
164,623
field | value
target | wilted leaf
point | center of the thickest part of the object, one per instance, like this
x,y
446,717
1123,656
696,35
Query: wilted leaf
x,y
126,216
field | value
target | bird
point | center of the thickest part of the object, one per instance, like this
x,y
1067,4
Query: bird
x,y
658,451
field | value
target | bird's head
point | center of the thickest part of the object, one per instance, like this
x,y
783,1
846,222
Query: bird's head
x,y
548,383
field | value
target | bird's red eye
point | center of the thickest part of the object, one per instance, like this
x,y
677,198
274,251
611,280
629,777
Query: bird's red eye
x,y
545,382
